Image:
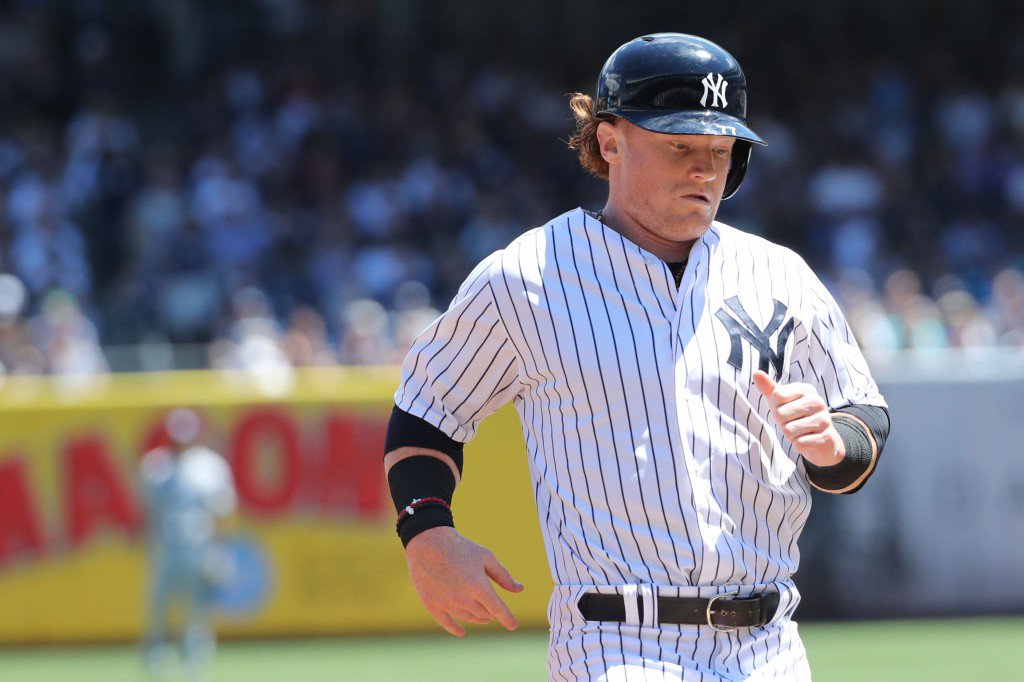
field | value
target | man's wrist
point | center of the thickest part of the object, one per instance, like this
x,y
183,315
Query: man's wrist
x,y
429,535
848,471
421,515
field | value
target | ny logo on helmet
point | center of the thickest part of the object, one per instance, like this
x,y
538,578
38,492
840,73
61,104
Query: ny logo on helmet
x,y
715,89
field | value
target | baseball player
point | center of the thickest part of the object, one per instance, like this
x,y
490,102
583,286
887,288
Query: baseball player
x,y
681,384
188,490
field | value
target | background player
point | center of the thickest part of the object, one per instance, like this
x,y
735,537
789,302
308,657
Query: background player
x,y
681,385
188,491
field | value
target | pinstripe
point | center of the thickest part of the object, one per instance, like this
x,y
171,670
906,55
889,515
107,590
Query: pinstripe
x,y
647,411
586,479
472,356
788,658
759,567
480,378
629,418
536,451
629,455
697,566
737,448
519,323
776,663
604,392
842,327
550,432
777,495
710,489
694,548
800,516
730,576
510,367
557,653
540,462
600,377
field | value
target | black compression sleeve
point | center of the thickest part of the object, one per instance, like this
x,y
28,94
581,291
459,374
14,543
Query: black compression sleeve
x,y
417,478
421,476
863,448
406,430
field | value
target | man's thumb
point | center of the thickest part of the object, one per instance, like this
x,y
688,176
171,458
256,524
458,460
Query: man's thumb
x,y
764,383
499,574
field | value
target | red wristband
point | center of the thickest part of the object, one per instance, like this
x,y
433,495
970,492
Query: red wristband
x,y
419,503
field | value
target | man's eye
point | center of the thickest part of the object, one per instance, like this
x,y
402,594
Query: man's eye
x,y
722,152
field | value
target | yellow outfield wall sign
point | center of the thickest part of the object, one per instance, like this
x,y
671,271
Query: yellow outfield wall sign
x,y
313,545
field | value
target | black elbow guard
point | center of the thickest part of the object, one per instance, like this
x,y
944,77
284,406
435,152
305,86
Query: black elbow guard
x,y
863,448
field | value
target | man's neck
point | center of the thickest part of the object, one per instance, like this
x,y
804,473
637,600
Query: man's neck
x,y
630,228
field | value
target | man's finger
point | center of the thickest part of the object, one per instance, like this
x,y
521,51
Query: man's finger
x,y
499,574
764,383
787,393
448,623
805,426
470,616
494,604
803,407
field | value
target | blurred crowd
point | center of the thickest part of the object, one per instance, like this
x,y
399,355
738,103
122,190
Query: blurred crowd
x,y
317,208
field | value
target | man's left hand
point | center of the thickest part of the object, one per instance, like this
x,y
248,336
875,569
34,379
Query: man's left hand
x,y
804,419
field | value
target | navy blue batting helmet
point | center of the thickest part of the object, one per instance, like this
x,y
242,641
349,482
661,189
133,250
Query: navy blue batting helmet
x,y
682,85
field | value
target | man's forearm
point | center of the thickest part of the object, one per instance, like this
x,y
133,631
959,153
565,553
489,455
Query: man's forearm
x,y
423,467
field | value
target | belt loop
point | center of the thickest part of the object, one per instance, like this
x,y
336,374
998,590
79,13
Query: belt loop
x,y
649,596
629,598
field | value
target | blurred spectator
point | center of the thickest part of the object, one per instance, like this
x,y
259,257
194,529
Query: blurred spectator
x,y
413,313
366,338
67,338
156,180
966,323
1006,308
305,343
188,492
254,339
18,355
915,316
48,250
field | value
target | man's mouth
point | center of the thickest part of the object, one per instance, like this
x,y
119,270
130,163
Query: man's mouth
x,y
698,196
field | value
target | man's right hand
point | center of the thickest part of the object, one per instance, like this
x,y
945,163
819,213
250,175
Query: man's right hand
x,y
453,575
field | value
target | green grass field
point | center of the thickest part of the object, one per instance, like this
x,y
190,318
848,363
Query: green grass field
x,y
980,649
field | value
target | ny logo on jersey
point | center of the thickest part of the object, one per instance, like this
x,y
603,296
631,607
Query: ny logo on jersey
x,y
743,328
715,89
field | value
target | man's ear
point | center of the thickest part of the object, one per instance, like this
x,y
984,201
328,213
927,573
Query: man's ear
x,y
609,140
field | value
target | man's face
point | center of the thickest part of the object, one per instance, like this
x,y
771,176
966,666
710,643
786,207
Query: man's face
x,y
670,184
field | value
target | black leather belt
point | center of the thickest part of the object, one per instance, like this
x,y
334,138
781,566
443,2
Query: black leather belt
x,y
722,612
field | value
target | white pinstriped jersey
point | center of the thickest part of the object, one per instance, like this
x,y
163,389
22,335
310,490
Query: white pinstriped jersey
x,y
653,456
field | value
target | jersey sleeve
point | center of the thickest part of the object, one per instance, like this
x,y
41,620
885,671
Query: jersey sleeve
x,y
462,367
836,364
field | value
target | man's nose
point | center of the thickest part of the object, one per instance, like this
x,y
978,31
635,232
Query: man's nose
x,y
703,166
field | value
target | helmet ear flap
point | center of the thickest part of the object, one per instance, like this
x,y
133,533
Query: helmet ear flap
x,y
738,168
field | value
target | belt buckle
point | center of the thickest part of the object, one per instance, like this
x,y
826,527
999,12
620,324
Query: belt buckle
x,y
711,603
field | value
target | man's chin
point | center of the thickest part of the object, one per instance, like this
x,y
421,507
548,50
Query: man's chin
x,y
696,222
